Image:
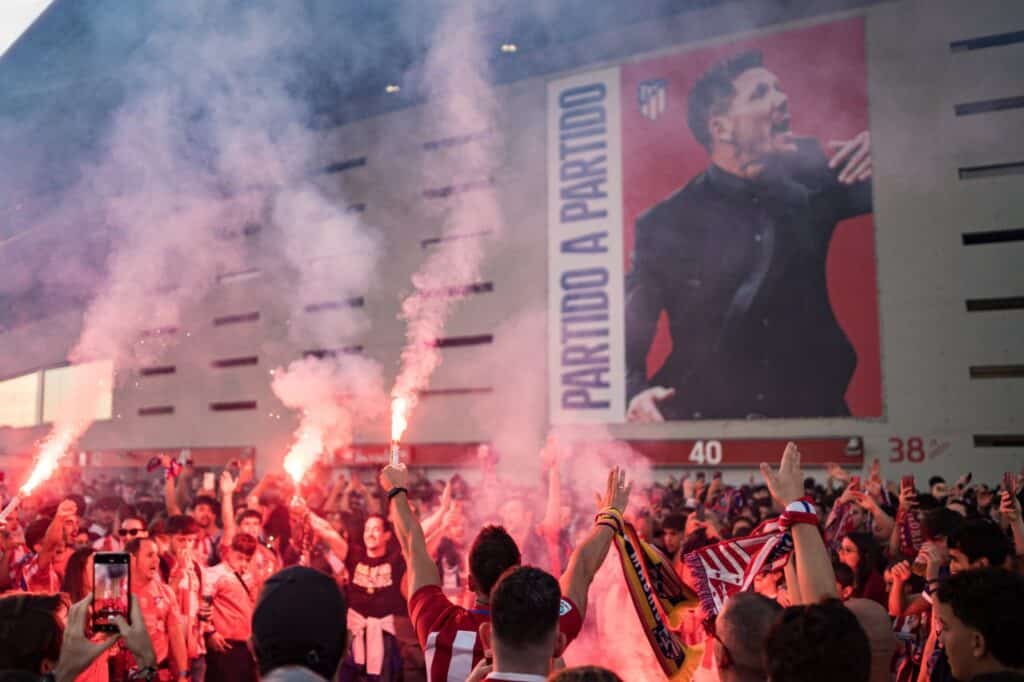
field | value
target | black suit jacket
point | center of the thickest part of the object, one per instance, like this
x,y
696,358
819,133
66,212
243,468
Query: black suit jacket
x,y
738,267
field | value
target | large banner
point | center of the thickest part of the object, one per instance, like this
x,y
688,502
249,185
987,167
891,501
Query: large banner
x,y
711,241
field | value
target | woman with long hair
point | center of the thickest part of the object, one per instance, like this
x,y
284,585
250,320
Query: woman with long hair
x,y
860,551
77,581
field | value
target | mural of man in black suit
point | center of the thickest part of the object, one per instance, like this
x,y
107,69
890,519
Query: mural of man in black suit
x,y
736,260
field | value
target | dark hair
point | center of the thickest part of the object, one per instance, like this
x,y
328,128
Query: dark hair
x,y
211,502
79,501
493,552
817,642
386,524
712,94
248,514
181,524
674,521
695,540
870,557
525,607
158,527
747,619
981,539
991,601
30,631
935,479
940,522
844,575
36,531
133,546
244,544
134,517
279,525
74,574
585,673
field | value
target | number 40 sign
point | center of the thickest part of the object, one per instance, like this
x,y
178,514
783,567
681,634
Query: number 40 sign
x,y
706,452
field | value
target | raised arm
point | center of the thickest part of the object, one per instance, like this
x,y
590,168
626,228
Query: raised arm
x,y
588,556
551,525
816,578
331,537
170,491
422,571
54,537
1009,507
227,506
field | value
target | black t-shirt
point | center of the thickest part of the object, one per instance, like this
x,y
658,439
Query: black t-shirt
x,y
375,585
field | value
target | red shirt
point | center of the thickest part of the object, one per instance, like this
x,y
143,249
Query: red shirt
x,y
160,612
448,633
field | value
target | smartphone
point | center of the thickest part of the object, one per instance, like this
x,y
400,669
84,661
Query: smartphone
x,y
111,586
1009,482
907,483
854,482
967,480
701,515
209,481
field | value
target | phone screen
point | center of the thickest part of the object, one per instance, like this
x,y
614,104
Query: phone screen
x,y
111,588
1009,482
208,480
907,483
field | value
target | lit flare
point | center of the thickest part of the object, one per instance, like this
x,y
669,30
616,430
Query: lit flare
x,y
50,454
399,422
303,453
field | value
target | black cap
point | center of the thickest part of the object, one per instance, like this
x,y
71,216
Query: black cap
x,y
301,619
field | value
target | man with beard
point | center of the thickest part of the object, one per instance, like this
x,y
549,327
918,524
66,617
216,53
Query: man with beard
x,y
159,609
736,261
384,644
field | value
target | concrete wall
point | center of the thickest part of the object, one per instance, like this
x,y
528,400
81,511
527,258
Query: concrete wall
x,y
926,274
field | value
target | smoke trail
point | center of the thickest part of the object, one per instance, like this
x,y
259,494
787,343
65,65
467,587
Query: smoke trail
x,y
456,70
335,392
211,139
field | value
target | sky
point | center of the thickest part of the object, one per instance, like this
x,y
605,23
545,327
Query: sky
x,y
15,17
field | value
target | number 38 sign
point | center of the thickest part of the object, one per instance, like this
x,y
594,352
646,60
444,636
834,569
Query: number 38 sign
x,y
915,449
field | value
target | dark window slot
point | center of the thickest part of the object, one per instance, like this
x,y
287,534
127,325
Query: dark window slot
x,y
160,331
440,392
157,371
226,363
456,140
993,237
323,306
999,440
979,305
994,170
342,166
460,341
156,410
434,241
997,371
356,208
235,319
454,292
982,42
444,192
321,353
233,406
986,106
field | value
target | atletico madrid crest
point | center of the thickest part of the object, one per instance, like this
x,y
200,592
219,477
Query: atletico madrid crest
x,y
653,98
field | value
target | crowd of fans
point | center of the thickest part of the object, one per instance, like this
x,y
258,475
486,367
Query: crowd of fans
x,y
398,577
